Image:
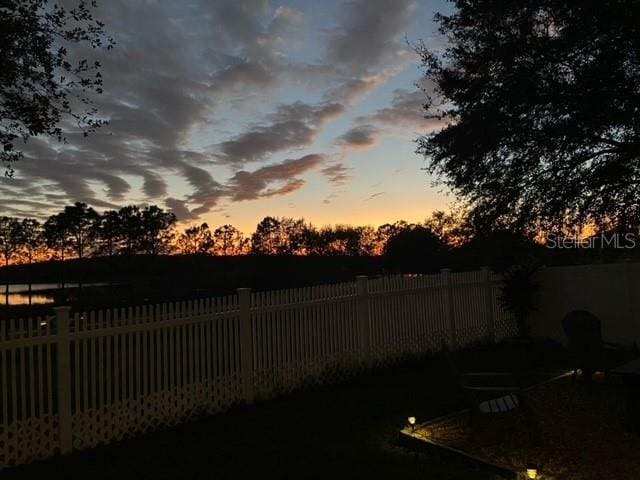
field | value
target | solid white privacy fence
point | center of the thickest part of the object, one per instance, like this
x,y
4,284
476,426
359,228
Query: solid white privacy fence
x,y
70,382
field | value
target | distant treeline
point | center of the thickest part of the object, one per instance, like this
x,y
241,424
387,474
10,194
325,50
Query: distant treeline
x,y
79,232
443,239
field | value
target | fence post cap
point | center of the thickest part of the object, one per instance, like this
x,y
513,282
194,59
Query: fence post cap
x,y
362,277
445,270
244,289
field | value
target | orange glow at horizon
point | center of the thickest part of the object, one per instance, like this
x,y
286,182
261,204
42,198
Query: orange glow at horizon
x,y
379,211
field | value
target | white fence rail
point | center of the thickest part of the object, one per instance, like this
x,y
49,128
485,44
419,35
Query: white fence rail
x,y
71,382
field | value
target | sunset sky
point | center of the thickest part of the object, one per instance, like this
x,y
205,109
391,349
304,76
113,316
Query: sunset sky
x,y
227,111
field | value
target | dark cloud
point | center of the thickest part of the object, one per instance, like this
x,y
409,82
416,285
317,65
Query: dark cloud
x,y
406,111
154,186
404,116
251,185
241,76
353,89
269,181
291,126
180,209
370,33
359,137
289,187
238,20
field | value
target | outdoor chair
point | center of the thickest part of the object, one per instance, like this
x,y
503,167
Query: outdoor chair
x,y
588,351
486,392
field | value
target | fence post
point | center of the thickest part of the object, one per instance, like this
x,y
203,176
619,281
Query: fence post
x,y
364,321
246,344
64,379
491,327
449,309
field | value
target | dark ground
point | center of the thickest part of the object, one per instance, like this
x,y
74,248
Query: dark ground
x,y
341,431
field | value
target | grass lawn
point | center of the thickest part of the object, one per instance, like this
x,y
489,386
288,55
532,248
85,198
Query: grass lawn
x,y
340,431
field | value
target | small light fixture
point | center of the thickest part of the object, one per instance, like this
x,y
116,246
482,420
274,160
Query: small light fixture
x,y
532,471
412,423
43,323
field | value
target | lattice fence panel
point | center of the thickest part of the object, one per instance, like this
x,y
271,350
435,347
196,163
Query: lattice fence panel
x,y
140,369
130,418
28,411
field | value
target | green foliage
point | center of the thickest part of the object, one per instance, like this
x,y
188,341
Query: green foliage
x,y
539,108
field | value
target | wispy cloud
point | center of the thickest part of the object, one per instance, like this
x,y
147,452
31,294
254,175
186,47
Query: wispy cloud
x,y
337,174
373,195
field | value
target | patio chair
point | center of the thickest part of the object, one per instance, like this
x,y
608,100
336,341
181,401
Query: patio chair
x,y
486,392
588,351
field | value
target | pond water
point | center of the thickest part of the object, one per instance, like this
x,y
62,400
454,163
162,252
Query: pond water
x,y
41,293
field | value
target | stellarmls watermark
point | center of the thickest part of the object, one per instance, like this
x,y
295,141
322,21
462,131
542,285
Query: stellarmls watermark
x,y
602,240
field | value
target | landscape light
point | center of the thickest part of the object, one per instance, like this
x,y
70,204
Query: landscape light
x,y
532,471
412,423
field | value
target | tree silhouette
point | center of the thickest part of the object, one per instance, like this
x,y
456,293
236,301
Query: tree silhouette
x,y
78,224
539,107
109,233
292,236
32,241
342,240
313,241
388,230
131,228
11,238
10,241
228,240
196,239
267,238
452,228
414,250
157,230
367,241
40,81
55,236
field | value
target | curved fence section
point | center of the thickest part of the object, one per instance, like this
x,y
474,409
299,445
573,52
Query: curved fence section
x,y
74,381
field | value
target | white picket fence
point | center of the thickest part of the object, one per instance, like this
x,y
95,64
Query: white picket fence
x,y
71,382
